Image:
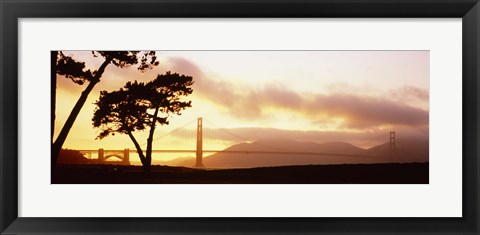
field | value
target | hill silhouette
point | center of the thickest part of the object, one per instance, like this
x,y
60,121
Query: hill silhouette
x,y
408,150
69,156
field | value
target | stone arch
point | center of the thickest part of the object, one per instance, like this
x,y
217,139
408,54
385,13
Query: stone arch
x,y
118,156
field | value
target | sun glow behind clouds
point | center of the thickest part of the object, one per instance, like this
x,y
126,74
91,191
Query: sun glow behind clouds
x,y
332,92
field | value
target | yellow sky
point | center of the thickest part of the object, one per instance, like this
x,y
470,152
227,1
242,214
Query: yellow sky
x,y
321,96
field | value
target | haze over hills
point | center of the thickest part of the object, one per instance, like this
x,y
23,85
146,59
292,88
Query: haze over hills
x,y
284,152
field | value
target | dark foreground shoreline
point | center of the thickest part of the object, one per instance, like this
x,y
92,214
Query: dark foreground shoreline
x,y
390,173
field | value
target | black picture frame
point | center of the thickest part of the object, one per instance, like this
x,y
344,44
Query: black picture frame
x,y
11,11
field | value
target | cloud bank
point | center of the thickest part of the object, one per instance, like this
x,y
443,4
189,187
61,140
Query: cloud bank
x,y
348,110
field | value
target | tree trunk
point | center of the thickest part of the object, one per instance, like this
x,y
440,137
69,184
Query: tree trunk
x,y
53,95
150,138
139,149
53,87
57,145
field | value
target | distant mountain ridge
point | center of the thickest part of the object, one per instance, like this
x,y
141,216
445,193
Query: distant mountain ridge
x,y
408,150
285,145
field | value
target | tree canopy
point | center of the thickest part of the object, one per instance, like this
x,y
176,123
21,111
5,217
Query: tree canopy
x,y
72,69
77,72
139,105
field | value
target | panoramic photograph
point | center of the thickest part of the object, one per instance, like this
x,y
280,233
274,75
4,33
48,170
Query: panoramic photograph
x,y
240,117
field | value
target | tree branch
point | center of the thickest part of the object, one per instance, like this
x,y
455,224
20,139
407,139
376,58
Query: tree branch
x,y
137,146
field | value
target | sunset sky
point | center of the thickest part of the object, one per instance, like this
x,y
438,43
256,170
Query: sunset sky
x,y
321,96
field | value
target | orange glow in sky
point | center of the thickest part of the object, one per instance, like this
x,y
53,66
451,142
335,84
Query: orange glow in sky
x,y
320,96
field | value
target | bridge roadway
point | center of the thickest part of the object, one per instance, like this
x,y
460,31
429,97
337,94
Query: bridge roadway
x,y
243,152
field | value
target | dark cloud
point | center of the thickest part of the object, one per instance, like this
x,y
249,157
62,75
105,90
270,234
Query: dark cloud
x,y
364,112
410,93
355,111
183,66
222,93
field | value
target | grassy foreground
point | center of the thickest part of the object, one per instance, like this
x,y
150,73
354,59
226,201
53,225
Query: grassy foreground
x,y
391,173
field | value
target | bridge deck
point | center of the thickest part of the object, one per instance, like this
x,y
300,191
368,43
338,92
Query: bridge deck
x,y
242,152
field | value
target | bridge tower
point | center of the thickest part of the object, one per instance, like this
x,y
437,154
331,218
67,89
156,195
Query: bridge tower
x,y
100,155
126,157
392,142
199,143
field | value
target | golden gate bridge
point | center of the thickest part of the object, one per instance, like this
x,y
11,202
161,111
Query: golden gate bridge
x,y
184,134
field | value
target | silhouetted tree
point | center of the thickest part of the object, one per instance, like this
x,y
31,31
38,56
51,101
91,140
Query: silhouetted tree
x,y
137,106
53,88
75,70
